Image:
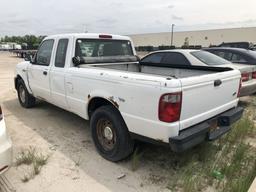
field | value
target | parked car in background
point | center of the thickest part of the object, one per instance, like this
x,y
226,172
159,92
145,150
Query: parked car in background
x,y
187,57
235,55
5,146
244,45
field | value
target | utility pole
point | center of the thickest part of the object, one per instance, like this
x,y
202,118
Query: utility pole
x,y
172,35
85,29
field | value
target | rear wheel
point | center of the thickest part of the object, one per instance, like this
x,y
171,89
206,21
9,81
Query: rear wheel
x,y
110,134
26,100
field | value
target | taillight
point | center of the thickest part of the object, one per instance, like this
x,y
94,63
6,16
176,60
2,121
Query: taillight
x,y
170,107
245,77
1,114
254,75
239,89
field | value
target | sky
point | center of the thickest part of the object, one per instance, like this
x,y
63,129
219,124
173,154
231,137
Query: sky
x,y
46,17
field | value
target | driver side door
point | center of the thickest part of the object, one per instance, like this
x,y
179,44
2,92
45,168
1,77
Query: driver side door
x,y
38,72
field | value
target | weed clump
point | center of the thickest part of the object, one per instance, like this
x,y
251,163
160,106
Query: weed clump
x,y
30,156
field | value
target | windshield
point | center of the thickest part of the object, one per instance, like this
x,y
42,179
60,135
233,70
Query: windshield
x,y
209,58
103,48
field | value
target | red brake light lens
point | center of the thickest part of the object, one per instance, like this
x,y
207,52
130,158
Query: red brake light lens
x,y
170,107
254,75
105,36
245,77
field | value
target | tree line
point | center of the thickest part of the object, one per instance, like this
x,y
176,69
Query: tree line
x,y
27,41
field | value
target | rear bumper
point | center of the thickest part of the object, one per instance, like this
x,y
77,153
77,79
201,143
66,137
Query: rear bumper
x,y
201,132
248,88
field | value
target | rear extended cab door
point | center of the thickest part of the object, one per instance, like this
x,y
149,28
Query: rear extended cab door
x,y
58,71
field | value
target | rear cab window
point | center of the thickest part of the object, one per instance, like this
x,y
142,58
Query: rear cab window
x,y
103,48
61,52
93,51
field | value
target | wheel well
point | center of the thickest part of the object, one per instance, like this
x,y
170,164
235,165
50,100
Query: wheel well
x,y
17,78
97,102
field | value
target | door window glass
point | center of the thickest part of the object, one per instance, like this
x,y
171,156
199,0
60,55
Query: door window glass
x,y
153,58
224,55
175,59
237,58
44,53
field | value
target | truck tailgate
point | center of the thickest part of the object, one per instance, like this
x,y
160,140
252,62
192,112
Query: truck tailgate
x,y
206,96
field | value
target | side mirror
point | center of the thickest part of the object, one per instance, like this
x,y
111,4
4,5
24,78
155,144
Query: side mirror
x,y
28,57
33,58
76,61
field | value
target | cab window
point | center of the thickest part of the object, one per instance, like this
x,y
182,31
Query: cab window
x,y
61,53
153,58
224,55
175,59
44,53
238,58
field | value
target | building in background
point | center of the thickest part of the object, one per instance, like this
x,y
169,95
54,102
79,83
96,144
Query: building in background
x,y
204,38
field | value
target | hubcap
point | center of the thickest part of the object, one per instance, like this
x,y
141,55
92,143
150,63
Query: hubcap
x,y
106,134
22,94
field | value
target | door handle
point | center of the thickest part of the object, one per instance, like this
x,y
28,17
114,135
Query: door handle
x,y
217,83
45,72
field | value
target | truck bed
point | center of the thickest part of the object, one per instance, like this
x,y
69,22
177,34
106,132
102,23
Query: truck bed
x,y
198,84
160,69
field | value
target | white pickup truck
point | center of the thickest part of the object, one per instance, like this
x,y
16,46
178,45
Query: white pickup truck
x,y
99,78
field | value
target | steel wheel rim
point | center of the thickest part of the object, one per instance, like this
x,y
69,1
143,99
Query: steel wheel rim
x,y
106,134
22,94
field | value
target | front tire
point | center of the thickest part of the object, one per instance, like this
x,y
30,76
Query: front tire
x,y
110,134
26,100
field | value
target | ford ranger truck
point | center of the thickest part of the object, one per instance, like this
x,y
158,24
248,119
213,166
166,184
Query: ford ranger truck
x,y
99,78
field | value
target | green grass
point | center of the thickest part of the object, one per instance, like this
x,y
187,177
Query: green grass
x,y
225,165
136,159
31,157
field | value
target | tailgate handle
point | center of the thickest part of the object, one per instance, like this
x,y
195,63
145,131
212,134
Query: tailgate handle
x,y
217,83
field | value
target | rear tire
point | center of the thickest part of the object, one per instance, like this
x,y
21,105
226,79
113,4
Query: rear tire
x,y
26,100
110,134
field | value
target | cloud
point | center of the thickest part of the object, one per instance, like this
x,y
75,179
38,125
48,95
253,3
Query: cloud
x,y
18,21
122,17
107,21
174,17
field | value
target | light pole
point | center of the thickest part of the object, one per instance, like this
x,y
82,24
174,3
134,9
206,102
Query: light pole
x,y
172,35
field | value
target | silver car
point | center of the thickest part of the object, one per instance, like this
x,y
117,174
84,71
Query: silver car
x,y
203,58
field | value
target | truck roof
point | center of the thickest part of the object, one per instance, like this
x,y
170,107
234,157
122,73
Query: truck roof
x,y
90,36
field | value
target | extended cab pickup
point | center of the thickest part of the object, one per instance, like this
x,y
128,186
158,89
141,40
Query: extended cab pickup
x,y
99,78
